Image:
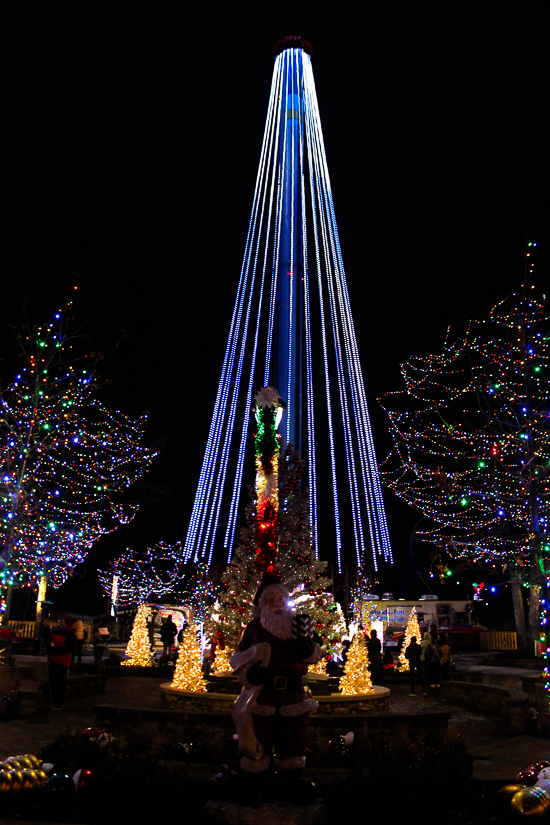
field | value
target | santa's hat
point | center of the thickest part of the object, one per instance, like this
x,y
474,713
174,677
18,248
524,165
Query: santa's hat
x,y
270,583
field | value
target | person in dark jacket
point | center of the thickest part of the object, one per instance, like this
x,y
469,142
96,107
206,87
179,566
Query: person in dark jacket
x,y
413,653
168,633
375,655
61,646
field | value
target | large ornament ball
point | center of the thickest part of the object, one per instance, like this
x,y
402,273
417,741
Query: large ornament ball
x,y
30,780
60,786
83,780
527,777
5,781
532,802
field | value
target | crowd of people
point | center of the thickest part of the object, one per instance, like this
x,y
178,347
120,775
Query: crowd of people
x,y
429,662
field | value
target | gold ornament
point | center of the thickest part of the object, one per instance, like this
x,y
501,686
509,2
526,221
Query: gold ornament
x,y
5,781
25,762
30,780
16,780
35,761
42,777
532,802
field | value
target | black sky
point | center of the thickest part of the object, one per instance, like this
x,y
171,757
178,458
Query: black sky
x,y
130,144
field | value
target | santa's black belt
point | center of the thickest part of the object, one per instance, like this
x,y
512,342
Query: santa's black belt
x,y
286,682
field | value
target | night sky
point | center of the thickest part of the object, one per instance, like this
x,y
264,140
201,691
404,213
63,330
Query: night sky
x,y
130,144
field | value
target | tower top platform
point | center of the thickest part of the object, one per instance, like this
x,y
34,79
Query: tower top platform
x,y
292,41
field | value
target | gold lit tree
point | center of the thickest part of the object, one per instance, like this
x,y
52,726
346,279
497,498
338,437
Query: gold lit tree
x,y
138,650
413,629
188,673
356,678
221,661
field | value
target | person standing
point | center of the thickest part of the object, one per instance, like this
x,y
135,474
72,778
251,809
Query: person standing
x,y
100,643
413,653
168,633
375,654
446,660
80,634
61,646
432,660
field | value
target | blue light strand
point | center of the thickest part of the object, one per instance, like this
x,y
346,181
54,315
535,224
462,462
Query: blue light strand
x,y
231,523
204,490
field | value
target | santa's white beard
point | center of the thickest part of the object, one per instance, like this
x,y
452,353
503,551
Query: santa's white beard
x,y
278,624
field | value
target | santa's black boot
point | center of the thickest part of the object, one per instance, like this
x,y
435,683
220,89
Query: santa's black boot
x,y
294,789
251,780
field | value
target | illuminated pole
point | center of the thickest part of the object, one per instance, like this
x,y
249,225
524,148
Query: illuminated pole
x,y
288,335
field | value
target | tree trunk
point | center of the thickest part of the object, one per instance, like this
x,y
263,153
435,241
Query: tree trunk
x,y
534,616
9,594
519,614
40,599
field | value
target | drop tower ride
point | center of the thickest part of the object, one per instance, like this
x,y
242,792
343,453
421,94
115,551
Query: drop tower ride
x,y
292,328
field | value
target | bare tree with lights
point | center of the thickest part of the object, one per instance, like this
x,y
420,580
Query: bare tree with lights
x,y
67,462
137,574
471,452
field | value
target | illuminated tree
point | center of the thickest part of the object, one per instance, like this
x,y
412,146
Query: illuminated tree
x,y
295,561
412,629
138,650
66,462
471,449
188,673
356,678
138,574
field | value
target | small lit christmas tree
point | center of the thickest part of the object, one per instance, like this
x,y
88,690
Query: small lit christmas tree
x,y
138,649
188,673
413,629
356,678
221,661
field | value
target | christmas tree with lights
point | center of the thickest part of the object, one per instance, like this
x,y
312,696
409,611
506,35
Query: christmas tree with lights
x,y
137,574
356,678
277,538
221,661
471,451
138,650
304,574
412,629
67,461
188,673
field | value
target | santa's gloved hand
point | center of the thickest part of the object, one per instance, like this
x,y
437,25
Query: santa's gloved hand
x,y
304,646
257,674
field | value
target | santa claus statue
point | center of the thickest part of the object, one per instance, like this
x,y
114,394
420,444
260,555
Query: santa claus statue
x,y
271,662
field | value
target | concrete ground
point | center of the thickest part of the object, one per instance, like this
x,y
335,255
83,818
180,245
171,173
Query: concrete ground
x,y
496,756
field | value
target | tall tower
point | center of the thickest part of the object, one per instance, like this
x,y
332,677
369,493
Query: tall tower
x,y
292,328
287,375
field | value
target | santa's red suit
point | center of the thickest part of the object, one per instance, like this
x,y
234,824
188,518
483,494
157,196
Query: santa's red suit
x,y
275,713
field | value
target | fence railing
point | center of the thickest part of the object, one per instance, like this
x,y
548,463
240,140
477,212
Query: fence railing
x,y
25,630
498,640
